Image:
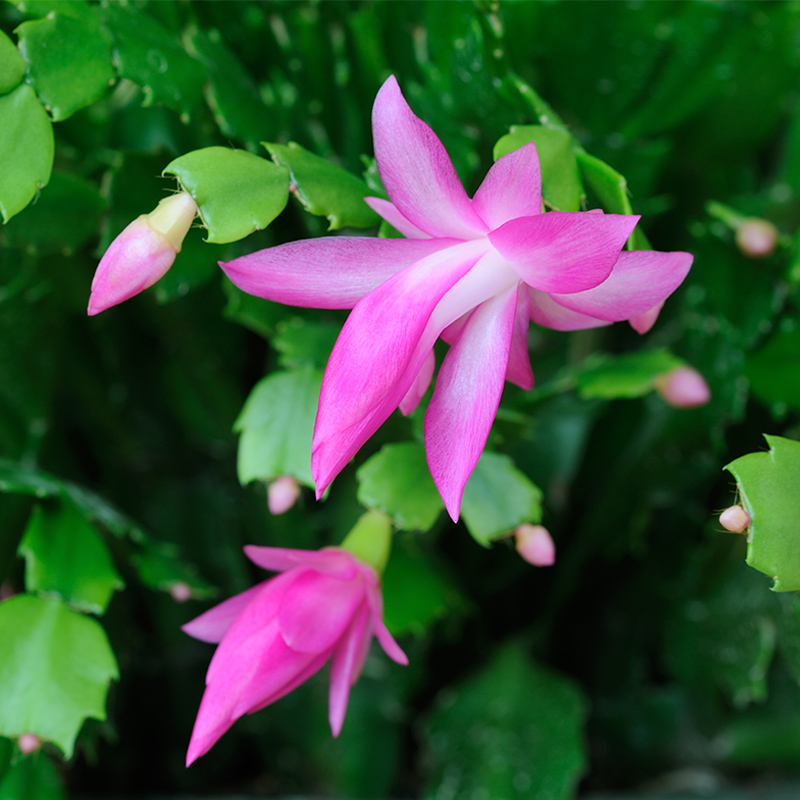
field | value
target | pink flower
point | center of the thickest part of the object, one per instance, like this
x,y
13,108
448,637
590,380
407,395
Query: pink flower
x,y
142,253
683,387
474,272
275,636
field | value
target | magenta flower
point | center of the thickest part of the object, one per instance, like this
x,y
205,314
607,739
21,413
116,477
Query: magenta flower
x,y
275,636
142,253
471,271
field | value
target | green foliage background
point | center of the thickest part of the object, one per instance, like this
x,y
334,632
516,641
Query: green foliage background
x,y
649,647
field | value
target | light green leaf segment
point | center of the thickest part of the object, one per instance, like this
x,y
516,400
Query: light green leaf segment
x,y
12,65
769,484
56,674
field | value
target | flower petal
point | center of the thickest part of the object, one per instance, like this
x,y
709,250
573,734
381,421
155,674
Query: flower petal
x,y
420,385
564,251
642,323
416,170
546,312
467,395
512,188
390,213
641,280
519,369
387,642
329,272
212,626
345,668
332,561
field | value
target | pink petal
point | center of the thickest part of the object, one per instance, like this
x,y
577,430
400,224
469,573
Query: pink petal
x,y
331,561
519,369
512,188
467,395
345,666
564,251
316,610
378,355
417,172
420,385
387,642
641,280
546,312
390,213
329,272
642,323
212,626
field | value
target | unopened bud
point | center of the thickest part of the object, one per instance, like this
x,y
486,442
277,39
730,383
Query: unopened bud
x,y
282,494
683,387
735,519
28,743
6,590
180,591
142,253
756,238
535,544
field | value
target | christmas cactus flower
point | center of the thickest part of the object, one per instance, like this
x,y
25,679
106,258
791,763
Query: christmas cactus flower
x,y
474,272
324,605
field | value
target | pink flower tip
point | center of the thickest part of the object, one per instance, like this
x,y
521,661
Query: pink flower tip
x,y
282,494
683,387
28,743
143,253
757,238
735,519
535,545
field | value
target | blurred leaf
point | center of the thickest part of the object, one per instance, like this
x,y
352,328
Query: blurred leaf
x,y
159,566
768,484
254,313
497,498
276,426
515,729
12,64
325,189
55,668
64,555
302,341
6,750
774,370
396,480
26,149
33,777
66,216
561,183
630,375
69,62
237,192
147,53
610,187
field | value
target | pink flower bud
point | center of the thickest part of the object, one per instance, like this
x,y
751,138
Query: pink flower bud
x,y
735,519
6,590
180,591
535,544
142,253
757,238
282,494
28,743
683,387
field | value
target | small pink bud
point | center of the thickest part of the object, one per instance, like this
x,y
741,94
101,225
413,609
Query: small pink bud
x,y
6,590
683,387
535,544
181,592
28,742
735,519
142,253
643,322
282,494
757,238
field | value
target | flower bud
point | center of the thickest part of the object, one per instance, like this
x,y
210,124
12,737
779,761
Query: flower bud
x,y
756,238
683,387
735,519
142,253
28,743
282,494
180,591
535,544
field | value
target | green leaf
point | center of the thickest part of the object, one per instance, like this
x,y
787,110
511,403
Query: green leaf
x,y
276,426
562,188
497,498
254,313
64,555
774,370
768,484
69,62
237,193
515,729
55,668
631,375
34,777
325,189
302,341
26,149
12,64
396,480
159,566
610,187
